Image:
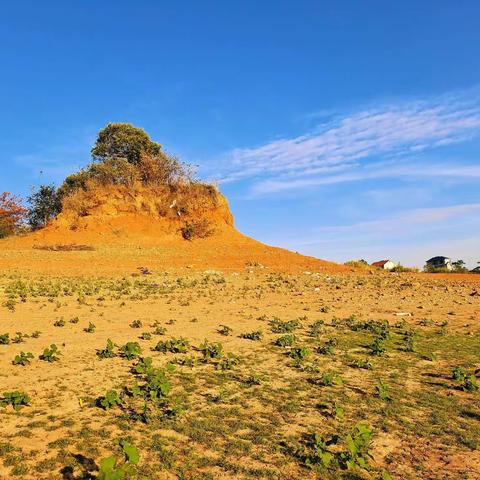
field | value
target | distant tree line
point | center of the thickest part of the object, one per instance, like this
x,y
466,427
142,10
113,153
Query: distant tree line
x,y
459,266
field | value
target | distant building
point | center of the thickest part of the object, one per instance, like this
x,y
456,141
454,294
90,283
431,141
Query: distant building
x,y
437,263
385,264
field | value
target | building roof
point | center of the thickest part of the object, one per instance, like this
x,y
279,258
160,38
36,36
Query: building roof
x,y
440,258
381,263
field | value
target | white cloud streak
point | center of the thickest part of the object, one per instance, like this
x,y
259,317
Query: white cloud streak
x,y
349,143
375,171
406,219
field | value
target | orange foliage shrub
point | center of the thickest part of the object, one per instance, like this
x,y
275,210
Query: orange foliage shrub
x,y
12,214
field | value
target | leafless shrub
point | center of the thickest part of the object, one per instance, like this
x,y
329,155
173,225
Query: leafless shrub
x,y
199,229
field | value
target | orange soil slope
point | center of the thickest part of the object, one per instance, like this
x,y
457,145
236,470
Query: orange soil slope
x,y
127,234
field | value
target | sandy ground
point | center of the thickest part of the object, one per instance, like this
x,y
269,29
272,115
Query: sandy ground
x,y
193,289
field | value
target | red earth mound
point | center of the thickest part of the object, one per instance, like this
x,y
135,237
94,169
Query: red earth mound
x,y
121,231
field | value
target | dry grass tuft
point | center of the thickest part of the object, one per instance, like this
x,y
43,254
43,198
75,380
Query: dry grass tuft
x,y
65,248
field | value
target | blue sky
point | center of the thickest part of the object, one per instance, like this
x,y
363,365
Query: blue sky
x,y
338,129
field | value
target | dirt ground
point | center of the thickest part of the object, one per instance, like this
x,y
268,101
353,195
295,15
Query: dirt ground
x,y
310,348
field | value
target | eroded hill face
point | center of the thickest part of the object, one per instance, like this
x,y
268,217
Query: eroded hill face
x,y
113,214
166,210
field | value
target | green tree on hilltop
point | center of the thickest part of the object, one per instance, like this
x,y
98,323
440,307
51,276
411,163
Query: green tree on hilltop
x,y
122,140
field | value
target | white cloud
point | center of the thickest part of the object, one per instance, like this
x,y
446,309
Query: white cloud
x,y
405,220
373,171
350,142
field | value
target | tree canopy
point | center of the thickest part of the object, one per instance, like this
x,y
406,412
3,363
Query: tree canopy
x,y
123,140
124,154
44,205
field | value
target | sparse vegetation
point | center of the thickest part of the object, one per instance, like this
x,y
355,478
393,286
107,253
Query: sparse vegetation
x,y
112,468
50,354
16,399
197,229
174,345
211,350
225,330
108,351
255,335
22,358
240,365
361,263
111,399
4,339
91,328
130,350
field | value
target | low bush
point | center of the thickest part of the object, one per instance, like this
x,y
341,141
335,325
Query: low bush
x,y
50,354
299,353
12,214
174,345
351,454
382,391
211,350
16,399
255,335
111,468
22,358
285,341
468,381
91,328
228,362
284,327
131,350
361,263
224,330
107,352
197,229
111,399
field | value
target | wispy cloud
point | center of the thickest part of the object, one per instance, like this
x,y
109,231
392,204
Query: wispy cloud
x,y
347,144
373,171
407,219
